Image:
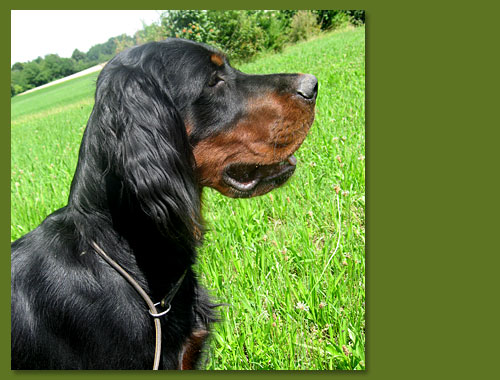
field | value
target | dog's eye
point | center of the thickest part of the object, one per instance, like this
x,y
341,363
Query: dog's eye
x,y
215,80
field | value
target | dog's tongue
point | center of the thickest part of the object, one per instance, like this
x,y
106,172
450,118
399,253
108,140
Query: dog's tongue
x,y
292,160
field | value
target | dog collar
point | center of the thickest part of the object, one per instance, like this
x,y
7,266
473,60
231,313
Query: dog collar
x,y
152,306
165,302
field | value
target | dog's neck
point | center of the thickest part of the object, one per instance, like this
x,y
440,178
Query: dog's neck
x,y
159,257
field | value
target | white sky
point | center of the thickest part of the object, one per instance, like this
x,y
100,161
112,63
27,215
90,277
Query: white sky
x,y
38,33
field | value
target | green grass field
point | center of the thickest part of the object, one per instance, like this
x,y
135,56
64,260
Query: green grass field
x,y
290,264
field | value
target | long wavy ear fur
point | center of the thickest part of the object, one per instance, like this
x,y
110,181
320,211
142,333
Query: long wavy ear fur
x,y
150,155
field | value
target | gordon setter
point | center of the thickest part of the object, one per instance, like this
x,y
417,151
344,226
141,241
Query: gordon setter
x,y
169,118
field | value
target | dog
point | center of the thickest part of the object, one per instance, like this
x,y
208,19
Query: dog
x,y
169,119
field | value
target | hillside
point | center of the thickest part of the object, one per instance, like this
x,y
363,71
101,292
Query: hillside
x,y
291,264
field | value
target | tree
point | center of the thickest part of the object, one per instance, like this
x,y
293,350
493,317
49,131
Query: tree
x,y
31,73
149,33
102,52
18,66
123,42
54,67
78,55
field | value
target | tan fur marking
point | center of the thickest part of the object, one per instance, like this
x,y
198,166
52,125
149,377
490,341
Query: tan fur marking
x,y
273,128
217,59
192,349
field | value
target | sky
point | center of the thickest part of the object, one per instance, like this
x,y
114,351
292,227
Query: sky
x,y
38,33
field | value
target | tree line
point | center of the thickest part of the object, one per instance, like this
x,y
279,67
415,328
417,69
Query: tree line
x,y
25,76
240,33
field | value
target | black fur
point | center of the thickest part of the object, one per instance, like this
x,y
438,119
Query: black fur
x,y
135,194
169,118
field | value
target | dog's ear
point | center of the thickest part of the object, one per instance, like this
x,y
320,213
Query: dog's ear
x,y
150,154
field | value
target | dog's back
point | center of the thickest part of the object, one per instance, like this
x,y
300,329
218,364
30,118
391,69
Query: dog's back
x,y
69,310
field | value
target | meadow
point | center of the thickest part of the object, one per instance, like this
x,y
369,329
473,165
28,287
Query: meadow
x,y
289,265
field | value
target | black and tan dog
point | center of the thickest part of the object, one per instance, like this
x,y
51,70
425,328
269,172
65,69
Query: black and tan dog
x,y
169,118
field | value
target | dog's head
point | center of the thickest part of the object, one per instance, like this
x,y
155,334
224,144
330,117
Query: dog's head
x,y
171,117
243,129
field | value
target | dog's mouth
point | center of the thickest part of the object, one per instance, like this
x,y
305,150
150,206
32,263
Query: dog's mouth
x,y
246,178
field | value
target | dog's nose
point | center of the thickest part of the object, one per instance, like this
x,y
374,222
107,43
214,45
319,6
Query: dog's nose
x,y
308,86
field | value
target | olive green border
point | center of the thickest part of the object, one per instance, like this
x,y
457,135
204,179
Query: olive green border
x,y
429,289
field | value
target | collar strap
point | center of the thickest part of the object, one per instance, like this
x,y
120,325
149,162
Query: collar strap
x,y
152,307
165,302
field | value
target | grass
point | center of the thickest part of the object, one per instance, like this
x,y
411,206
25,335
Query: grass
x,y
290,264
46,130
